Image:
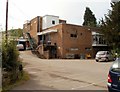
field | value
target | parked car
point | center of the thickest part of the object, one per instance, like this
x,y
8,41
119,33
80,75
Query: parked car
x,y
114,77
104,56
20,47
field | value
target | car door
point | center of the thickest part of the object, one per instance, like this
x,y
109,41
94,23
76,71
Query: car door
x,y
115,75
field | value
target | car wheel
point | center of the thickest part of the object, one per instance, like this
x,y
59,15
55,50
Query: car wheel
x,y
107,60
97,60
109,90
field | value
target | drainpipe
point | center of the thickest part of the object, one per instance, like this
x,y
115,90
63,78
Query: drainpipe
x,y
38,30
38,25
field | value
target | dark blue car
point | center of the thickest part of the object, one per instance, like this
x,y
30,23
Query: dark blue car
x,y
114,77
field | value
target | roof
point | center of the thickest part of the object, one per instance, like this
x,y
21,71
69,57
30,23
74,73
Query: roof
x,y
46,32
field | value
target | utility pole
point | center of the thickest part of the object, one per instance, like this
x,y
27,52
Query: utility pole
x,y
6,27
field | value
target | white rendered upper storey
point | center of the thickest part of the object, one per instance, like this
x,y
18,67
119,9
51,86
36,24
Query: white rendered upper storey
x,y
49,21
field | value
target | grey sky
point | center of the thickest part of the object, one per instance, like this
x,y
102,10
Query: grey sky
x,y
70,10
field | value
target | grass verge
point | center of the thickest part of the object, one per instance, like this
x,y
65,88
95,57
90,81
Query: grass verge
x,y
22,80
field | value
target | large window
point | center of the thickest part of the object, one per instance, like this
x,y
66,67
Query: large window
x,y
98,39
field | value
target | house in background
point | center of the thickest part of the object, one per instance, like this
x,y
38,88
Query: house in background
x,y
57,39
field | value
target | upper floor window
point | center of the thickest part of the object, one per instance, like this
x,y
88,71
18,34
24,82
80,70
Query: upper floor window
x,y
73,35
53,22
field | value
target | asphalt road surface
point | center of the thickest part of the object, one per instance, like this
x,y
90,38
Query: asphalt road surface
x,y
61,74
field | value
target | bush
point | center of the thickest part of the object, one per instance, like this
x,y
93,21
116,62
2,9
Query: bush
x,y
10,56
10,62
116,52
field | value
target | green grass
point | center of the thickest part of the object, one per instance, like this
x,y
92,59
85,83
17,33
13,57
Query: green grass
x,y
22,80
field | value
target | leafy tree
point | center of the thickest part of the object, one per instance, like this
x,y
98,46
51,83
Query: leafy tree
x,y
111,26
89,18
16,32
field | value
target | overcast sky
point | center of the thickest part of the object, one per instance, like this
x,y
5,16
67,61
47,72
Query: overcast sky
x,y
70,10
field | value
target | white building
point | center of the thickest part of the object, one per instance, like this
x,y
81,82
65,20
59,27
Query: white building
x,y
49,21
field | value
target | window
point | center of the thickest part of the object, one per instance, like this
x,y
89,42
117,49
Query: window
x,y
53,22
87,49
73,35
116,70
74,49
98,39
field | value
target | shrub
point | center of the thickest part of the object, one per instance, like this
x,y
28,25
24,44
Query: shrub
x,y
10,62
10,56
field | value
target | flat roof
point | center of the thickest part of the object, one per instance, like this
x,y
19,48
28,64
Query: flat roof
x,y
51,15
46,32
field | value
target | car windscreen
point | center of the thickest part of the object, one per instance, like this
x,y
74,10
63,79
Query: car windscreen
x,y
101,53
116,66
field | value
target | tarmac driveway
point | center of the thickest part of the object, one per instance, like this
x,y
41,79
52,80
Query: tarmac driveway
x,y
61,74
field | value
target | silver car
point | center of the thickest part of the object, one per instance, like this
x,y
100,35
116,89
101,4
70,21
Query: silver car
x,y
104,56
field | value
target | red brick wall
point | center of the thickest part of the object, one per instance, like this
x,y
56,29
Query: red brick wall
x,y
64,40
32,27
57,38
82,41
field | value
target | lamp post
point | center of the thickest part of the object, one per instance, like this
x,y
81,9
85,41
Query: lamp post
x,y
6,26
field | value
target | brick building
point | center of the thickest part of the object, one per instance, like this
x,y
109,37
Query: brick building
x,y
57,39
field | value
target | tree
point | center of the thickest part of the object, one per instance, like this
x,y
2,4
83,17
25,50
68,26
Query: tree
x,y
89,18
111,26
16,32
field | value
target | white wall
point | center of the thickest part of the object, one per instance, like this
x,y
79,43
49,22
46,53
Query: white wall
x,y
47,21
